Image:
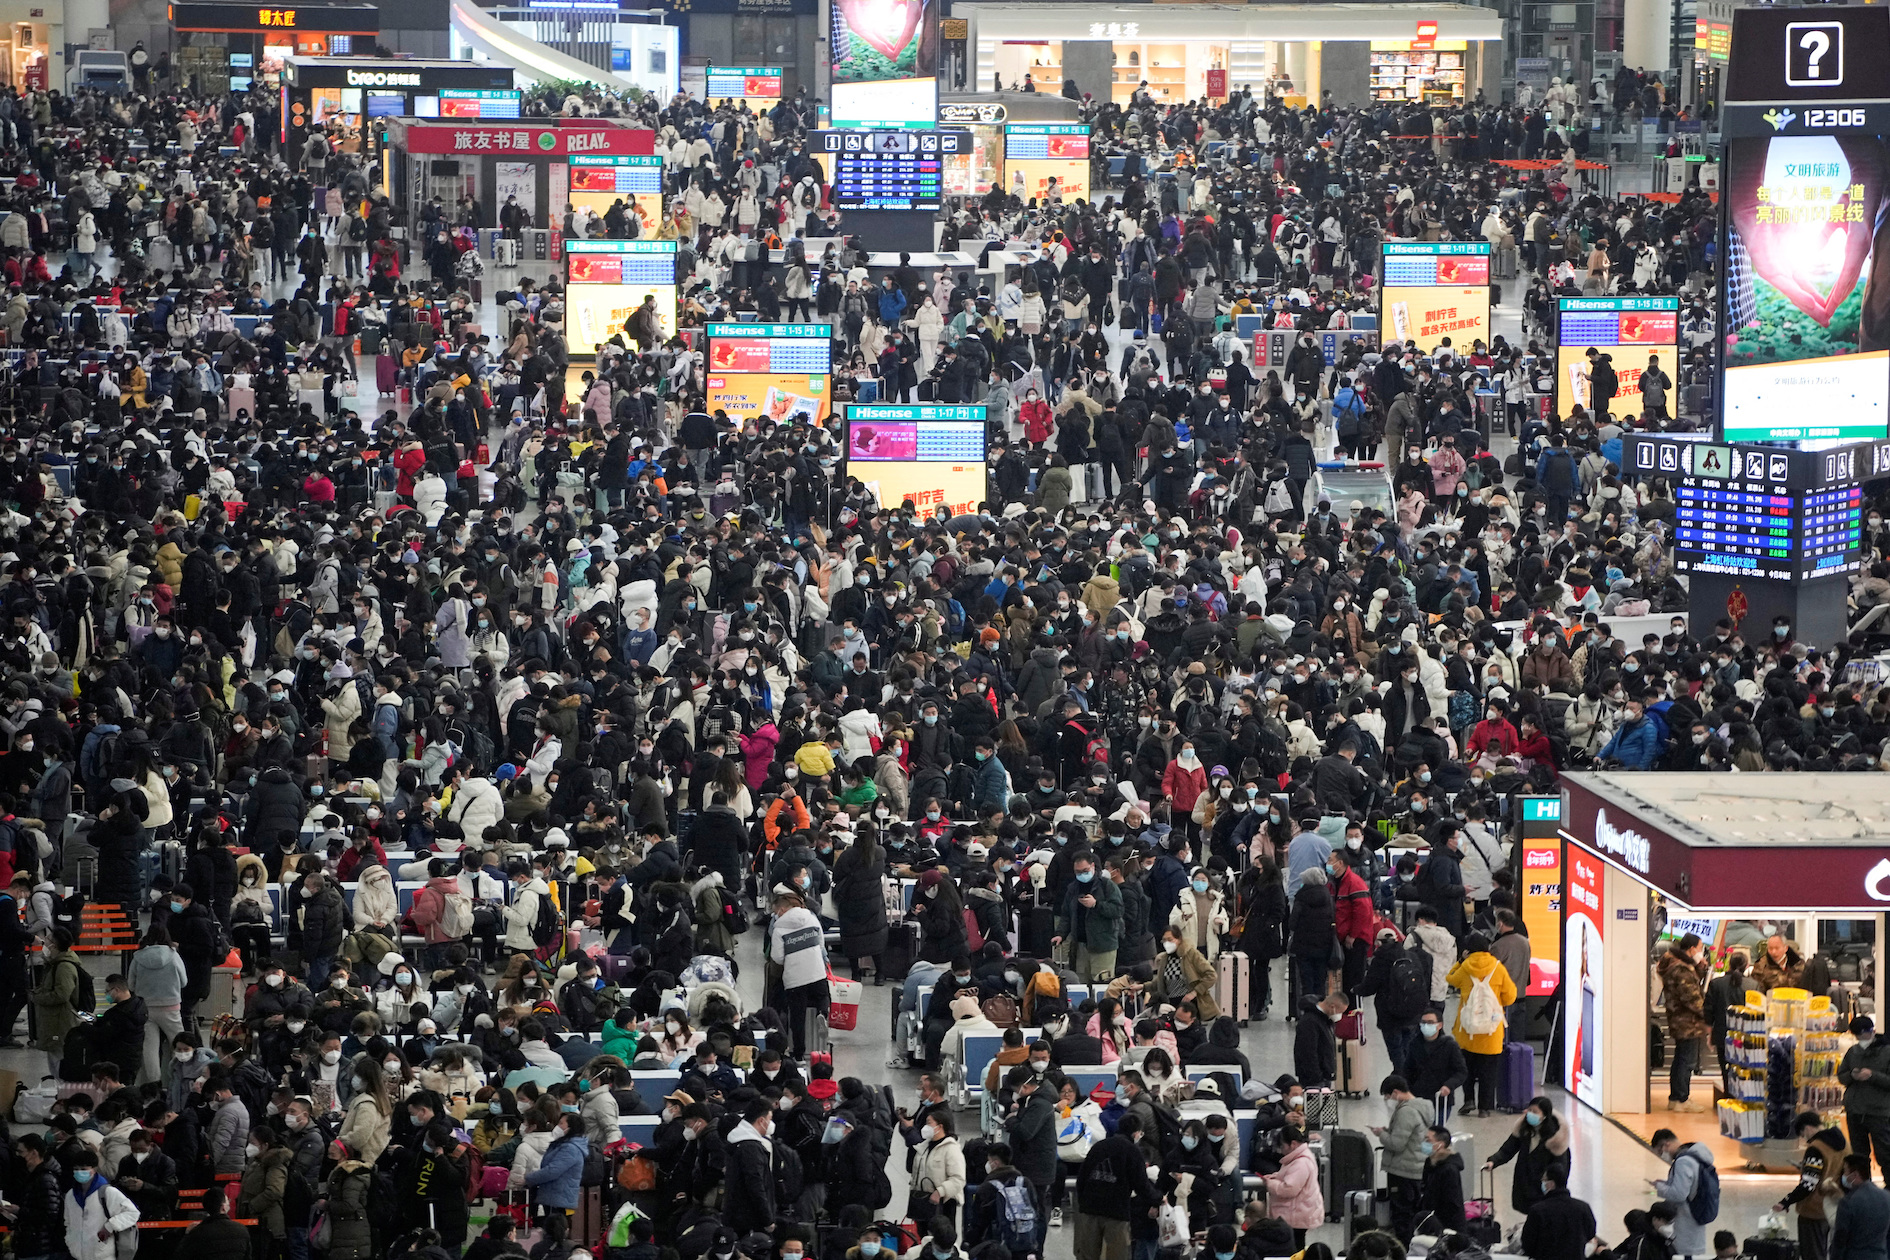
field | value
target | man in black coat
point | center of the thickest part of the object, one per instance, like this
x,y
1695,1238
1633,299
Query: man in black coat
x,y
1032,1129
750,1205
194,933
118,1033
149,1177
1435,1061
1559,1226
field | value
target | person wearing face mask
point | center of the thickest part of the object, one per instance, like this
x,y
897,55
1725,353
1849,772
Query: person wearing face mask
x,y
265,1186
1201,914
555,1183
1863,1214
1864,1071
149,1176
95,1212
1558,1226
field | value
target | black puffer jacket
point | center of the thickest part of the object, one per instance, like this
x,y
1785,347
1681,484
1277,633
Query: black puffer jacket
x,y
718,844
1312,925
275,809
859,899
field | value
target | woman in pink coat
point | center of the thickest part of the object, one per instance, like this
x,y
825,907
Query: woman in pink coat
x,y
1293,1192
758,754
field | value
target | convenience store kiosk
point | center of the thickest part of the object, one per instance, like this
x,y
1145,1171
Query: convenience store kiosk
x,y
353,94
1649,857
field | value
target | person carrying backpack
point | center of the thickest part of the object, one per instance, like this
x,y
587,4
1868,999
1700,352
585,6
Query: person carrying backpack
x,y
1484,987
1693,1187
1348,420
1006,1207
1399,977
64,990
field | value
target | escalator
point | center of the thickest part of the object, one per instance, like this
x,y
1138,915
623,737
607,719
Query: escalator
x,y
533,61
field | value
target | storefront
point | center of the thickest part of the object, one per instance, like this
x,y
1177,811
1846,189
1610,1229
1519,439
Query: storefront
x,y
29,55
1736,860
257,41
989,117
488,161
350,95
1358,53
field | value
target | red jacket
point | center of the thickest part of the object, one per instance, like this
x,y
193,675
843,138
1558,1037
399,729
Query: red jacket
x,y
353,859
408,462
1039,424
1352,907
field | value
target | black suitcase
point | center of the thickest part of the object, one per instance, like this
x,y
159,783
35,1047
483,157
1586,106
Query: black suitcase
x,y
1769,1248
1035,926
902,948
1351,1169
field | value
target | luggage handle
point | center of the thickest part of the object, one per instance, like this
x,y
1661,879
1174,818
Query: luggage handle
x,y
1487,1183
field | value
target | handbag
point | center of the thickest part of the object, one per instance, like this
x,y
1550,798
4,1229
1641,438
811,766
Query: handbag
x,y
1171,1226
919,1205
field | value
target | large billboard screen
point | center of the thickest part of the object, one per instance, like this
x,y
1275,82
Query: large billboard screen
x,y
885,63
777,371
1807,294
606,280
930,453
597,183
1629,330
1037,153
1585,1007
1435,290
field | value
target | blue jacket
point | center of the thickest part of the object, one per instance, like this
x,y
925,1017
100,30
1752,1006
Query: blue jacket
x,y
558,1178
1863,1219
1635,745
988,785
892,304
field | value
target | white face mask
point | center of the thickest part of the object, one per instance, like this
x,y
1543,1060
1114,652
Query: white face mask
x,y
331,1057
1169,947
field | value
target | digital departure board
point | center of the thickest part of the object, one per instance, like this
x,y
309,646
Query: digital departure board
x,y
1759,511
478,103
1046,140
622,174
774,371
889,170
1423,264
930,453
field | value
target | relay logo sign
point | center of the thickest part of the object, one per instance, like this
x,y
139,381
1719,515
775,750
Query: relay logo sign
x,y
1625,843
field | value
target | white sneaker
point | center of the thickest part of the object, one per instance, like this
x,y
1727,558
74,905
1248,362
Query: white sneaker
x,y
898,1061
1056,1216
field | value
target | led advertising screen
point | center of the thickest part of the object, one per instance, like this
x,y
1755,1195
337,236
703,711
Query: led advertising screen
x,y
777,371
1434,290
760,86
1037,153
1541,890
1427,316
605,282
885,63
889,170
1807,352
1585,1010
930,453
478,103
599,182
1628,330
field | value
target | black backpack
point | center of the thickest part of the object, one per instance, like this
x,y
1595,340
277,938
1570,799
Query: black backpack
x,y
84,997
1405,995
546,926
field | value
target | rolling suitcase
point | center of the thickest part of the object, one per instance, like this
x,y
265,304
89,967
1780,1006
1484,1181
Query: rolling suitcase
x,y
1353,1082
1233,991
1366,1210
386,373
902,946
1516,1082
1036,925
1479,1211
1351,1168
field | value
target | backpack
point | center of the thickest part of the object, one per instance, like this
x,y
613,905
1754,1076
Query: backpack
x,y
84,1000
734,918
1703,1203
456,915
546,926
1017,1216
1405,994
1347,410
638,1173
1482,1014
1167,1132
1044,984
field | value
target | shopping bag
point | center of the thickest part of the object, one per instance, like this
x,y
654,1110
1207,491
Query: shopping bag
x,y
1171,1226
843,1003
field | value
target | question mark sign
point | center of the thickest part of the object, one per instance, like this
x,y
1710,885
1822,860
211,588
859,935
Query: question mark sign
x,y
1819,43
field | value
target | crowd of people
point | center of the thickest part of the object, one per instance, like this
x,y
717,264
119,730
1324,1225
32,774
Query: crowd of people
x,y
470,716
